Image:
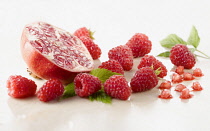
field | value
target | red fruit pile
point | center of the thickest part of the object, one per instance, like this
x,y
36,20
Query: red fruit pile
x,y
60,57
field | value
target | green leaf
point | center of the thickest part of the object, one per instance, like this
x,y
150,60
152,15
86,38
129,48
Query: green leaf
x,y
194,38
69,91
171,40
165,54
103,74
101,96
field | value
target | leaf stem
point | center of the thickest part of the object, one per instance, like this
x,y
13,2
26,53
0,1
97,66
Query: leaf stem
x,y
207,57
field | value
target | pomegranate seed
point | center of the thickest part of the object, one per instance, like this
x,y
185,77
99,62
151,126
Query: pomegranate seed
x,y
180,70
176,78
197,72
180,87
188,76
165,85
185,94
165,94
196,86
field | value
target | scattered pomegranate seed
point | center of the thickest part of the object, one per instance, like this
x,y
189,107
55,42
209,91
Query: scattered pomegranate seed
x,y
176,78
185,94
165,85
188,76
179,70
196,86
180,87
197,72
165,94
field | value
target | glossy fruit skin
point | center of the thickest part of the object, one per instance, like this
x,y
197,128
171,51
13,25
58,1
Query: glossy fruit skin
x,y
185,94
180,55
144,79
20,87
117,87
94,49
86,84
43,66
123,55
113,66
151,61
140,45
51,90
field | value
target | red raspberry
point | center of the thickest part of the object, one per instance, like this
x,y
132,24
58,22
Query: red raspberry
x,y
165,85
94,49
144,79
140,45
151,61
180,55
123,55
51,90
83,32
165,94
113,66
20,87
196,86
117,86
86,84
197,72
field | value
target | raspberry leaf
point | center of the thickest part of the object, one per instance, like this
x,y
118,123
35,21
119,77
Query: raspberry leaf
x,y
172,40
194,38
68,91
103,74
101,96
165,54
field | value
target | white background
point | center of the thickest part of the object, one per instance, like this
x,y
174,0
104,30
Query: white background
x,y
115,22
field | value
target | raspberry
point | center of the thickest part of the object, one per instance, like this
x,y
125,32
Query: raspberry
x,y
165,85
180,55
20,87
197,72
151,61
165,94
51,90
140,45
86,84
123,55
196,86
83,32
188,76
180,87
185,94
117,87
94,49
113,66
144,79
176,78
179,70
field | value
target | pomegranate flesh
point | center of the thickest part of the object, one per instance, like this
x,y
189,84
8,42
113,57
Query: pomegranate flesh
x,y
51,52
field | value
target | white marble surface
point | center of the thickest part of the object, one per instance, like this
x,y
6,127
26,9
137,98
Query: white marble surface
x,y
114,22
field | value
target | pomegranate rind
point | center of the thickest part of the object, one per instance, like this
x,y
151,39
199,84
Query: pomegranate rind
x,y
43,66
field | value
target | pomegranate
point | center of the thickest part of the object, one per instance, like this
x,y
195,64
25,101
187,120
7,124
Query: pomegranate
x,y
51,52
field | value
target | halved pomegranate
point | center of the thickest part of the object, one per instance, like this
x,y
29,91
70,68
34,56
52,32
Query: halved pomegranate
x,y
51,52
